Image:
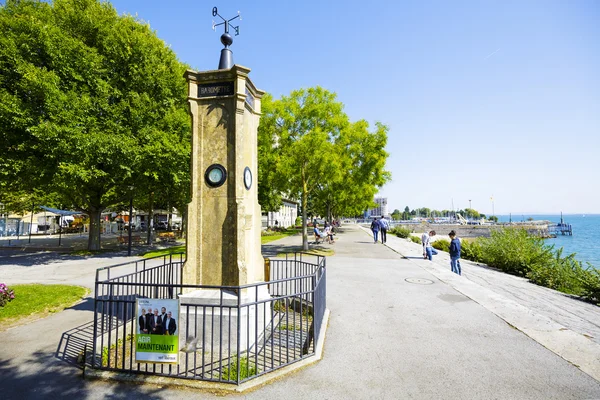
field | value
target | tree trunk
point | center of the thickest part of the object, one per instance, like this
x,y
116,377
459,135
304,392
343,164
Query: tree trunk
x,y
170,218
94,234
304,230
150,219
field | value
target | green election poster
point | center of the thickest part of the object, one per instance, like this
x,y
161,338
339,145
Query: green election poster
x,y
157,335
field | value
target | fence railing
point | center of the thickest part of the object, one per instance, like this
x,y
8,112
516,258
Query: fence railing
x,y
234,334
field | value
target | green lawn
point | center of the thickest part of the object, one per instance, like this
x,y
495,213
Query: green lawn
x,y
35,301
163,252
272,236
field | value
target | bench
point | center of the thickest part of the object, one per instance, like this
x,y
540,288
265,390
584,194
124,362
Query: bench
x,y
167,237
125,239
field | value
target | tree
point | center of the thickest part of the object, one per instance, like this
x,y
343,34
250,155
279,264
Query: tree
x,y
91,103
359,157
270,187
396,215
332,165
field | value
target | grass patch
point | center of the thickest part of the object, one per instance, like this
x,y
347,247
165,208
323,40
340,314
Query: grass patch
x,y
247,369
272,235
285,327
272,238
164,252
34,301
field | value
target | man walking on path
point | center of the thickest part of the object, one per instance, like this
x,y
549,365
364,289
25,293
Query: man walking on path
x,y
428,250
384,228
454,253
375,226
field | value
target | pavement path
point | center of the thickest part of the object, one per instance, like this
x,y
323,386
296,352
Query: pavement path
x,y
387,337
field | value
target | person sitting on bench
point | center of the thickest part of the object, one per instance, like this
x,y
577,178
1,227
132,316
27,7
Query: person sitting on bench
x,y
328,232
318,234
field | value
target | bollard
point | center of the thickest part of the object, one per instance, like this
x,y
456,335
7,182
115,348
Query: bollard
x,y
267,270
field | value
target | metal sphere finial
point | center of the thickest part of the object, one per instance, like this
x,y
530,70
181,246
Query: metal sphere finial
x,y
226,39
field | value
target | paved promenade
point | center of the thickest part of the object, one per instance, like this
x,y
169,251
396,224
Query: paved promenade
x,y
400,328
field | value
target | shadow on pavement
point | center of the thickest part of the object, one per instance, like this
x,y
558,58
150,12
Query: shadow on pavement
x,y
41,376
26,259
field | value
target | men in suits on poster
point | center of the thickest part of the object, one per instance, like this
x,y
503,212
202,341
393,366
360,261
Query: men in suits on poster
x,y
156,323
143,321
170,326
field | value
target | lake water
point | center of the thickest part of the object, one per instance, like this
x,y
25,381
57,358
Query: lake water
x,y
585,241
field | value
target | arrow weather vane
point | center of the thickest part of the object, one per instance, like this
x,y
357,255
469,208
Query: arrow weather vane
x,y
226,60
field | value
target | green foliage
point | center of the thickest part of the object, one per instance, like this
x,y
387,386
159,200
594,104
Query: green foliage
x,y
270,184
441,244
401,232
247,369
514,251
558,272
90,103
309,150
471,250
415,239
590,284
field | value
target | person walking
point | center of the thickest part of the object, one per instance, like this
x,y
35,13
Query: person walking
x,y
428,250
375,227
454,253
384,228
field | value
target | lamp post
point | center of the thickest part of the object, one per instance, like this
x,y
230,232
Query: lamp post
x,y
130,220
470,210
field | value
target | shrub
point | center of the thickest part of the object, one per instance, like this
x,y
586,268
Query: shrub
x,y
6,294
400,232
441,244
514,251
415,239
590,284
559,273
471,250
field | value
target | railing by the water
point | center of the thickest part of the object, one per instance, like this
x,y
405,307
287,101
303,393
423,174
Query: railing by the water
x,y
241,333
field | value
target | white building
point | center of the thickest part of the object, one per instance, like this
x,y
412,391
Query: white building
x,y
381,209
284,218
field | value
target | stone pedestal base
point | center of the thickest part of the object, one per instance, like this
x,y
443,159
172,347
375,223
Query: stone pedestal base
x,y
213,316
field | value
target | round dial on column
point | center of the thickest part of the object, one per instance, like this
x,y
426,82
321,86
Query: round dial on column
x,y
215,175
247,178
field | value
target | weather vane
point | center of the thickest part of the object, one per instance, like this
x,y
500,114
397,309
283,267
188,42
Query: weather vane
x,y
226,60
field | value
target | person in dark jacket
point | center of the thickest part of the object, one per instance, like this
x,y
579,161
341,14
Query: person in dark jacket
x,y
375,226
454,253
169,324
143,321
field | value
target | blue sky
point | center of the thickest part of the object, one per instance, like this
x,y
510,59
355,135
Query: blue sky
x,y
482,98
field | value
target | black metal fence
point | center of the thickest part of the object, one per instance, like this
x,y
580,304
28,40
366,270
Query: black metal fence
x,y
234,334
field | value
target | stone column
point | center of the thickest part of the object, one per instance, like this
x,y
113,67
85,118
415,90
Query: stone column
x,y
224,217
223,237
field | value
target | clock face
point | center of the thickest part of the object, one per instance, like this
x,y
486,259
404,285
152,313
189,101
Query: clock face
x,y
247,178
215,175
